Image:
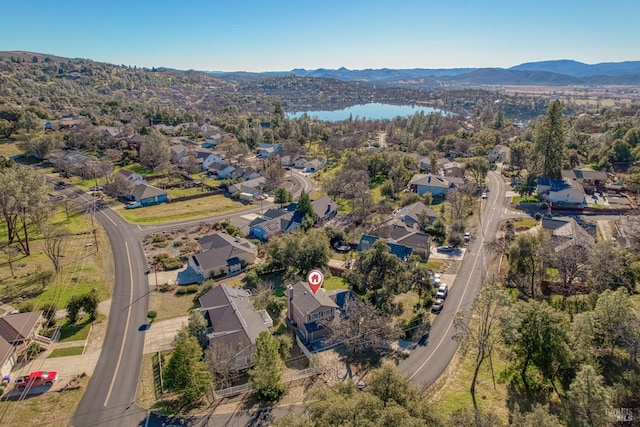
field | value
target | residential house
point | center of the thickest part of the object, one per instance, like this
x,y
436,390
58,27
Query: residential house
x,y
410,214
453,169
215,168
148,195
222,254
272,223
309,313
586,176
133,177
178,152
226,171
424,163
288,160
309,164
499,154
253,186
562,192
111,131
66,123
401,251
233,322
429,183
17,331
404,241
325,209
264,150
208,158
567,233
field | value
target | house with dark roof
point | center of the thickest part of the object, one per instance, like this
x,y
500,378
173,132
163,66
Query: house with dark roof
x,y
566,233
325,209
273,223
308,313
233,322
252,186
401,251
453,169
500,154
148,195
207,158
178,152
222,254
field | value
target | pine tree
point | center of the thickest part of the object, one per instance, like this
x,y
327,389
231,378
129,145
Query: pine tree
x,y
268,368
549,142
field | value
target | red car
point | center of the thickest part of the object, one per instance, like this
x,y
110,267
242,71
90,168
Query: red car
x,y
36,379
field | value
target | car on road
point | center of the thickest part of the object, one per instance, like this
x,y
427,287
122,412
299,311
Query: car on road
x,y
423,340
484,195
95,188
467,236
443,291
437,306
36,379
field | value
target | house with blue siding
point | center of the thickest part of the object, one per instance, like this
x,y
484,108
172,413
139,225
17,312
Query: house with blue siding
x,y
148,195
434,184
401,251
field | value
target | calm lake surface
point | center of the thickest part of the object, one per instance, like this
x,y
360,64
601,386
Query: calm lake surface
x,y
373,111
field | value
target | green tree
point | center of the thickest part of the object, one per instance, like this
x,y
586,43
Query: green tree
x,y
39,146
538,340
549,142
300,251
478,168
267,372
527,260
612,316
539,416
186,373
588,398
197,327
305,208
282,196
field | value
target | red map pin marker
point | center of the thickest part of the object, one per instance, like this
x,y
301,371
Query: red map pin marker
x,y
315,279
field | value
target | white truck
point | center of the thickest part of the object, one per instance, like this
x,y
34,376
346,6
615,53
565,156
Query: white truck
x,y
247,197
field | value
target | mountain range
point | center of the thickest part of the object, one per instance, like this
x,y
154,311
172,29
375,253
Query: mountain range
x,y
545,73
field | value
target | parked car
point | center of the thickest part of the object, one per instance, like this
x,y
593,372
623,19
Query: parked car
x,y
437,278
133,205
443,291
36,379
467,236
95,188
445,249
484,195
437,306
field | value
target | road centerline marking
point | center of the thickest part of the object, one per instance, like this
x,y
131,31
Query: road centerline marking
x,y
126,327
466,287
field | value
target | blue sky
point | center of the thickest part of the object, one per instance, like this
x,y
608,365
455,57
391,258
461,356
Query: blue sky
x,y
266,35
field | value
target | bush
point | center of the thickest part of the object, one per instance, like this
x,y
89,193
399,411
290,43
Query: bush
x,y
206,287
33,350
185,290
151,315
168,262
26,307
49,312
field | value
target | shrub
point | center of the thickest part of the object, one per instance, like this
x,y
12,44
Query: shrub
x,y
26,307
185,290
33,350
168,262
206,287
151,315
49,312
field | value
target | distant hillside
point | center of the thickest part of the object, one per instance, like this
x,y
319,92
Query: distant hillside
x,y
579,69
544,73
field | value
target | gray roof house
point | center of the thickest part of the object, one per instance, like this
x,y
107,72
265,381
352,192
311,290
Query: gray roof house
x,y
253,186
148,195
233,322
222,254
409,214
308,313
324,208
566,233
429,183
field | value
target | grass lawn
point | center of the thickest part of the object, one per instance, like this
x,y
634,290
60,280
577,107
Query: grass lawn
x,y
525,199
8,149
522,224
77,332
435,264
169,305
454,394
69,351
191,209
44,410
334,282
83,268
183,192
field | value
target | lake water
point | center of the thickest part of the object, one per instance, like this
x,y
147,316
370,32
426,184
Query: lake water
x,y
373,111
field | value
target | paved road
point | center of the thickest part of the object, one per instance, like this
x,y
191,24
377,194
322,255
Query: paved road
x,y
425,364
110,396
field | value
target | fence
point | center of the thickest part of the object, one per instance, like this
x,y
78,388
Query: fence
x,y
289,378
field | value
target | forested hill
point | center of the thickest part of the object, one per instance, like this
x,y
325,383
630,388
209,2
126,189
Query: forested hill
x,y
545,73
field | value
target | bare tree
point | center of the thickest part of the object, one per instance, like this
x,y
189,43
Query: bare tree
x,y
11,252
155,152
460,201
190,164
482,334
54,240
221,359
572,264
117,185
361,327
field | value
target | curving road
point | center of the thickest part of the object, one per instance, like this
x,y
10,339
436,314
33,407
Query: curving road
x,y
425,364
110,396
